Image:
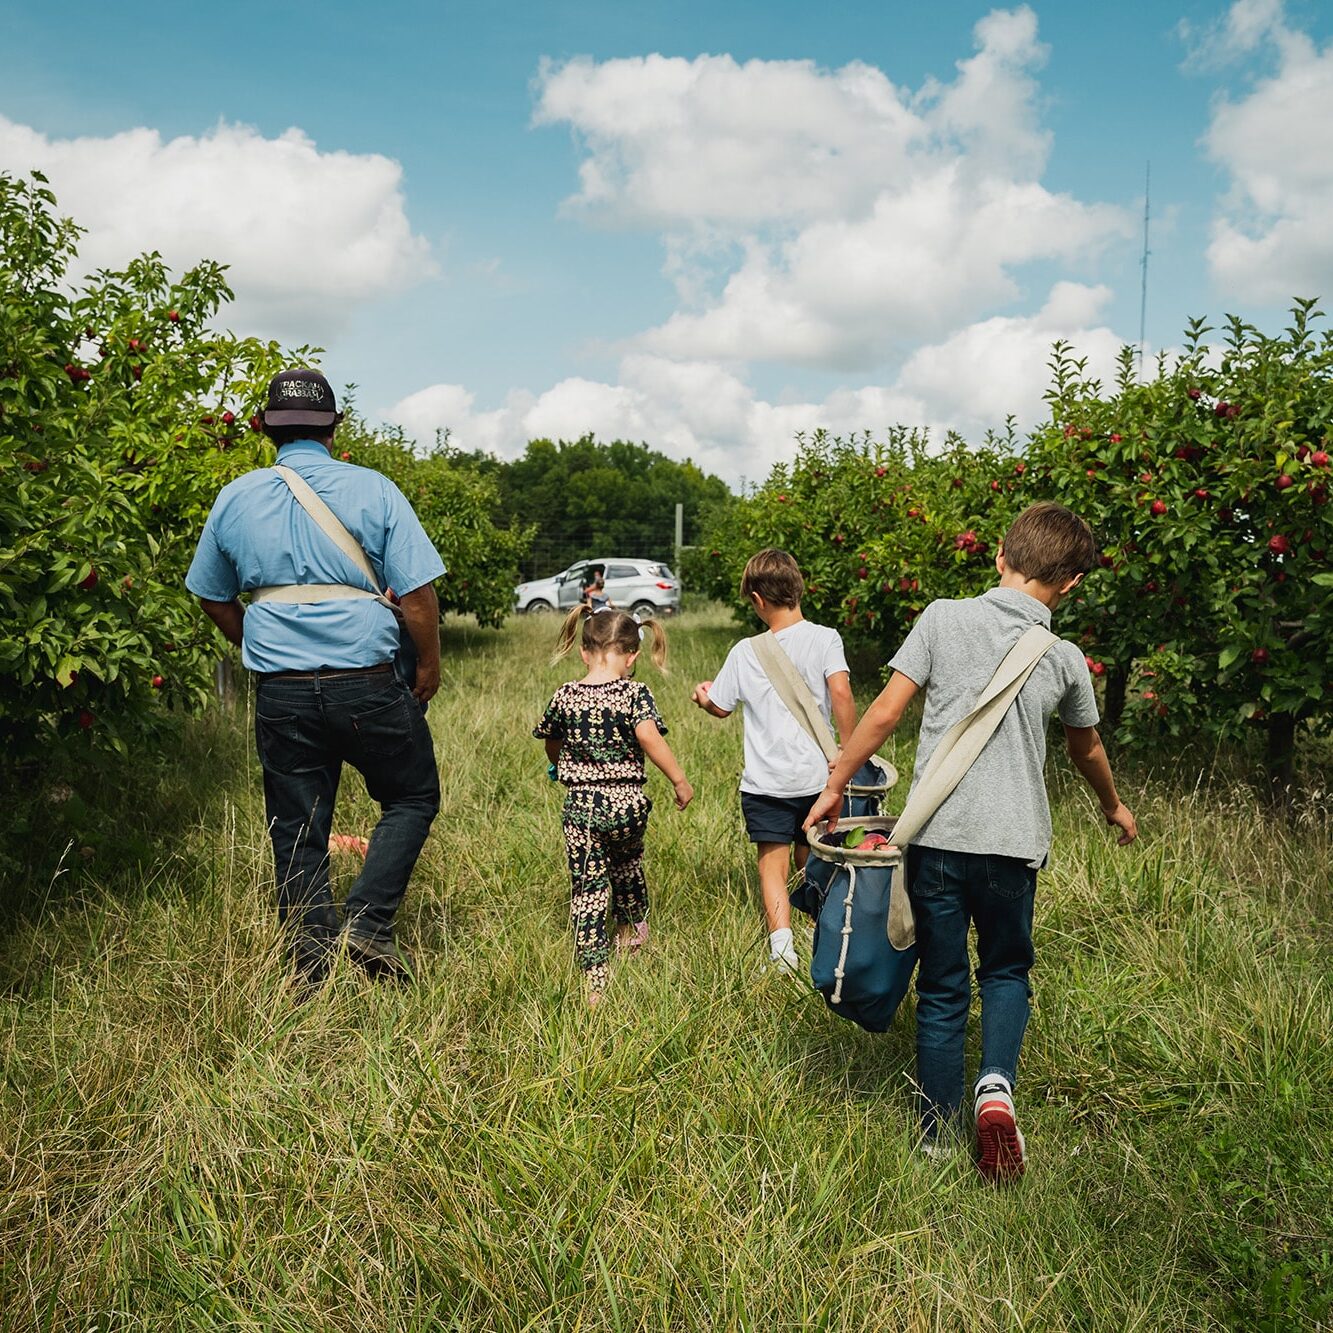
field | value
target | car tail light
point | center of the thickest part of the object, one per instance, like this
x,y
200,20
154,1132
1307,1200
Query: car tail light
x,y
666,587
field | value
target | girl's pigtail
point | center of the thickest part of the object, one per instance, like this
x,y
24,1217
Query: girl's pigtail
x,y
569,629
659,642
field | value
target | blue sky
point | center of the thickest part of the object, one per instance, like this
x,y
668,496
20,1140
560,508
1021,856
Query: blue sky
x,y
851,214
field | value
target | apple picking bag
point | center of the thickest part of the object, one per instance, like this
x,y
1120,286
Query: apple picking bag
x,y
865,936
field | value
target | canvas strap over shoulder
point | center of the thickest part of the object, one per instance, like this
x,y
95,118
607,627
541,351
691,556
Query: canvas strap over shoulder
x,y
956,753
792,689
331,526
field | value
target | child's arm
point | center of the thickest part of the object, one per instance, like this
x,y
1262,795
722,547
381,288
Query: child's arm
x,y
655,747
880,719
700,697
844,706
553,744
1085,749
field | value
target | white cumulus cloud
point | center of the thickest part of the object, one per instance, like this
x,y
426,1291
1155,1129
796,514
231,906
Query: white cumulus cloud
x,y
1271,239
699,409
307,234
847,217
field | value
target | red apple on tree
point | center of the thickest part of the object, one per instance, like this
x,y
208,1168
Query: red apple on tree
x,y
1278,544
1158,508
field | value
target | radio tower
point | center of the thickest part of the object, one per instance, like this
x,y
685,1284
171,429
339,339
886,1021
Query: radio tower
x,y
1143,263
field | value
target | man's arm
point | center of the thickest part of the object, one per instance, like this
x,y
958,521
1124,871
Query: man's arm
x,y
875,727
1089,757
421,615
229,617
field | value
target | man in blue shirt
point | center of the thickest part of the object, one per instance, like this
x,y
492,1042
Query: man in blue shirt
x,y
322,646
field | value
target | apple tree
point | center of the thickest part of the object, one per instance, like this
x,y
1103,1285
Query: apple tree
x,y
1208,488
121,415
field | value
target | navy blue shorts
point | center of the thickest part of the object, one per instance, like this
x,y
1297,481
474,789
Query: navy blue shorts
x,y
776,818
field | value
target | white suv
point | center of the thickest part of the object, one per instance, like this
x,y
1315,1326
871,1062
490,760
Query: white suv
x,y
644,587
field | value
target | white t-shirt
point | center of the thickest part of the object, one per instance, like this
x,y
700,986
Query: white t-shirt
x,y
780,759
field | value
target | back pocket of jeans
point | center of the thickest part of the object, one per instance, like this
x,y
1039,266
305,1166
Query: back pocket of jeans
x,y
386,729
282,749
1009,878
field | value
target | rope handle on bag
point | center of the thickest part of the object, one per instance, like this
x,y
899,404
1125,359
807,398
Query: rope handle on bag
x,y
841,970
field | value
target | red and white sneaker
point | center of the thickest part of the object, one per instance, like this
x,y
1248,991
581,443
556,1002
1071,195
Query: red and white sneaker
x,y
1000,1155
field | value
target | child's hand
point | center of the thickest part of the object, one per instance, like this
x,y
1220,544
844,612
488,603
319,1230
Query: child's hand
x,y
828,805
700,695
1123,819
684,794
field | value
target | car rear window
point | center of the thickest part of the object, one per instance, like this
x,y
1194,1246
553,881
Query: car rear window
x,y
660,572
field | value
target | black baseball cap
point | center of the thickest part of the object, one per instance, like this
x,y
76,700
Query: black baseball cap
x,y
301,398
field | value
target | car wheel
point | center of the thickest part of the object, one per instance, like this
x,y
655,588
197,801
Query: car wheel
x,y
538,608
643,610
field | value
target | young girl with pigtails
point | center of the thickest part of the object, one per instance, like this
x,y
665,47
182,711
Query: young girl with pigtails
x,y
597,731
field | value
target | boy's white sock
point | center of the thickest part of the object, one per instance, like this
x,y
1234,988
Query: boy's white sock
x,y
781,948
990,1081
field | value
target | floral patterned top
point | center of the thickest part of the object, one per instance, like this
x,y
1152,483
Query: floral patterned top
x,y
595,724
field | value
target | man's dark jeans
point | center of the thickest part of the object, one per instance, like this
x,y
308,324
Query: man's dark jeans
x,y
306,728
949,890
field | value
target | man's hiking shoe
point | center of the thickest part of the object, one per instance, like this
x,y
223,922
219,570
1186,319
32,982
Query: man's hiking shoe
x,y
382,960
999,1143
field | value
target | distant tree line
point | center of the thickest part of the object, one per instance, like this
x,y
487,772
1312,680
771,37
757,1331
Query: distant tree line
x,y
587,498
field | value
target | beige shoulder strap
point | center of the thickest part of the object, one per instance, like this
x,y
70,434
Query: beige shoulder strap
x,y
955,754
793,691
328,522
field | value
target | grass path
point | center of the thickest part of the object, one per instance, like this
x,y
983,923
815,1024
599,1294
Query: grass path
x,y
710,1149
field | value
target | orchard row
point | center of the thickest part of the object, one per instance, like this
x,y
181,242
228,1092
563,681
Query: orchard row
x,y
1210,609
121,416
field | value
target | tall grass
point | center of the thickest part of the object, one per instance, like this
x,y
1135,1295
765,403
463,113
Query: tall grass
x,y
183,1147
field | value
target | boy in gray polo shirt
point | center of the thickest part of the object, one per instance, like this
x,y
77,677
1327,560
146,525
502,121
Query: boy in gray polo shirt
x,y
976,860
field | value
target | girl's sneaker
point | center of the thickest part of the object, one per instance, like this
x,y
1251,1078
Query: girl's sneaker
x,y
1000,1149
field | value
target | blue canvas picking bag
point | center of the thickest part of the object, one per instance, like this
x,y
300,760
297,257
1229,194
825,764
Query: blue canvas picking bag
x,y
861,976
865,796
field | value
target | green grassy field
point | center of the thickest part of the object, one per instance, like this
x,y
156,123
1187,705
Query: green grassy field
x,y
711,1148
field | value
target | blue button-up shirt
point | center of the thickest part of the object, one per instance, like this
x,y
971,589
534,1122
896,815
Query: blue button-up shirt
x,y
258,536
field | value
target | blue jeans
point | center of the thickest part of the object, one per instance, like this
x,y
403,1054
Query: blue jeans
x,y
306,728
949,892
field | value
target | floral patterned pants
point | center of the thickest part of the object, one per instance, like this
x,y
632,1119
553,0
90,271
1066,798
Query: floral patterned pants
x,y
604,829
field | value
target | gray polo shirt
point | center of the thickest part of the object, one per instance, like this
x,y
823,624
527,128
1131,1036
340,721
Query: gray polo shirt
x,y
952,652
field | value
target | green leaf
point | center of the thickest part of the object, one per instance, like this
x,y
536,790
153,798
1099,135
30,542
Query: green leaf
x,y
65,670
1228,655
1323,580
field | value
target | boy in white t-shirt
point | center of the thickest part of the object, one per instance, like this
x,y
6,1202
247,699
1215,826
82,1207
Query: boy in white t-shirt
x,y
784,768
